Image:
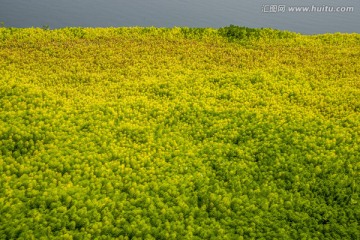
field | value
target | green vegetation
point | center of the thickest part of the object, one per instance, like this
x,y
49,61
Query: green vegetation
x,y
151,133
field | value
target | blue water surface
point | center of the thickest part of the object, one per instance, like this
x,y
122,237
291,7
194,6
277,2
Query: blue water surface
x,y
191,13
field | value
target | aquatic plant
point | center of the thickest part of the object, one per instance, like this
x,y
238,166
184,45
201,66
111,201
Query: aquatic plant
x,y
155,133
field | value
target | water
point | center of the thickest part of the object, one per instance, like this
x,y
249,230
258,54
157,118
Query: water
x,y
169,13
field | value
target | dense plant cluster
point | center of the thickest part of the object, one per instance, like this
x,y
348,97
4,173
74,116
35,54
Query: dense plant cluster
x,y
243,34
151,133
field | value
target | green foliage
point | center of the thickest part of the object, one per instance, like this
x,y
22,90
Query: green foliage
x,y
46,27
154,133
233,32
77,32
241,34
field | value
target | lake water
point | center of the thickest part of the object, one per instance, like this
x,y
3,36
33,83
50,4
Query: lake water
x,y
277,14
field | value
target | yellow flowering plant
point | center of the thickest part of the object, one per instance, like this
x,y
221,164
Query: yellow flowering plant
x,y
182,133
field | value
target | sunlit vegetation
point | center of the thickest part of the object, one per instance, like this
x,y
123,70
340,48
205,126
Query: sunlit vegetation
x,y
151,133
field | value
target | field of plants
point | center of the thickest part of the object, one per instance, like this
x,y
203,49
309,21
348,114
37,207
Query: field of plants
x,y
181,133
